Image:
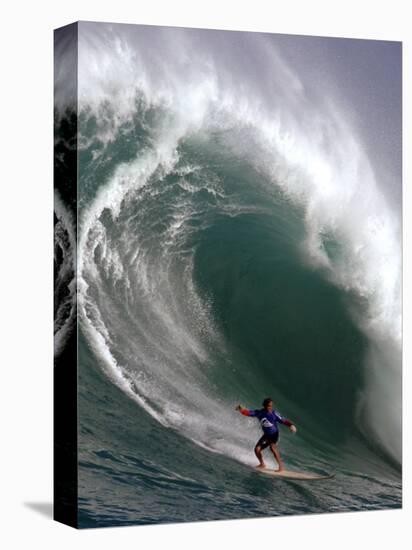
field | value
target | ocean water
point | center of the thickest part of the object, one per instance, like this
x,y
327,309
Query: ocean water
x,y
233,243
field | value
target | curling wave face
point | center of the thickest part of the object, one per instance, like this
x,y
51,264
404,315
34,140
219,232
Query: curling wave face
x,y
233,241
64,275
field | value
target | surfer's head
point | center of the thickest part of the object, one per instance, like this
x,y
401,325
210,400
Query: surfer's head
x,y
268,403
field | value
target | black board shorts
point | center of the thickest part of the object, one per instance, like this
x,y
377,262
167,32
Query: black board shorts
x,y
267,439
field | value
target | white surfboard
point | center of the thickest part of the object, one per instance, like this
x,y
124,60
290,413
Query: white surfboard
x,y
289,474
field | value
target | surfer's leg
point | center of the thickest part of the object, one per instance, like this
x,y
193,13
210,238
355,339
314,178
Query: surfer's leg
x,y
276,454
258,453
260,445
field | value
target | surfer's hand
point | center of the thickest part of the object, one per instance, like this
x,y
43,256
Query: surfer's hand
x,y
293,428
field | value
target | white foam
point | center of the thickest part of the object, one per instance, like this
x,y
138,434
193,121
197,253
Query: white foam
x,y
64,238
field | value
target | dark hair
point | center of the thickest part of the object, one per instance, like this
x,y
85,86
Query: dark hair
x,y
266,401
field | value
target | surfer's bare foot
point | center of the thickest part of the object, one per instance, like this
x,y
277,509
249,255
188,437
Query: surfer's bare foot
x,y
262,466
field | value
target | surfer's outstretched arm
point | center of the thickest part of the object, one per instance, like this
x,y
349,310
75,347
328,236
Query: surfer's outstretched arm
x,y
289,424
286,422
245,412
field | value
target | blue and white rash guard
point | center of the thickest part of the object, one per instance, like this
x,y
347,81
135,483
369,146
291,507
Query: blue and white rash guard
x,y
268,420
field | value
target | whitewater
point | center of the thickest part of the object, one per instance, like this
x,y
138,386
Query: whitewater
x,y
234,241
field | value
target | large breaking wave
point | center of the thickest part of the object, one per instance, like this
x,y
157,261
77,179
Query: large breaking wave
x,y
234,240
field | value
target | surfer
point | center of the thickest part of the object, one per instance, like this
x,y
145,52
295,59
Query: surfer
x,y
269,419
